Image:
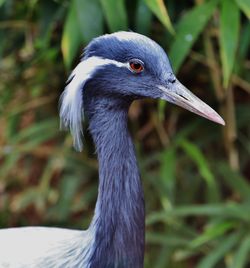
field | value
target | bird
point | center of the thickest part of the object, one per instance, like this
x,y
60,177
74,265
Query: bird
x,y
114,70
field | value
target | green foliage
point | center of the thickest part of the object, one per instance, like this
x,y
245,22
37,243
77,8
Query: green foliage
x,y
71,38
160,11
230,15
244,6
115,13
143,18
188,30
80,27
195,176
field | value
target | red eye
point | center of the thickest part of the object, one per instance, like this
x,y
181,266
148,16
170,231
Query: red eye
x,y
136,66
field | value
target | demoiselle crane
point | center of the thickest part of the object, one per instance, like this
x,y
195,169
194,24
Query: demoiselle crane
x,y
116,69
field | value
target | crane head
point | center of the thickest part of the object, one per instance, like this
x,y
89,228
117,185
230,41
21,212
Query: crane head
x,y
126,65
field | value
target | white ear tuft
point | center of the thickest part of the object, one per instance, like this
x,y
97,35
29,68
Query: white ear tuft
x,y
71,104
71,100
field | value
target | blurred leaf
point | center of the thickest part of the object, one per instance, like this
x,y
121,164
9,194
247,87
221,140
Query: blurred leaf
x,y
225,244
229,36
143,18
183,254
167,172
161,109
188,29
242,53
1,47
9,164
2,2
163,257
231,210
244,43
68,186
197,156
186,131
242,254
244,6
160,11
90,18
71,38
49,14
234,180
212,232
30,196
115,13
80,26
166,239
36,130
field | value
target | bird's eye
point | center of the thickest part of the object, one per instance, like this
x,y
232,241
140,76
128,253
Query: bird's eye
x,y
136,66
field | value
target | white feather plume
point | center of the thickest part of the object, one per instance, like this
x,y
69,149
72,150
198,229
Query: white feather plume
x,y
71,100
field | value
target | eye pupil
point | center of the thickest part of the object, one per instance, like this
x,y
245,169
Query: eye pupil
x,y
136,66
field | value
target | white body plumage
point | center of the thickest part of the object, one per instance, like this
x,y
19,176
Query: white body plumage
x,y
40,247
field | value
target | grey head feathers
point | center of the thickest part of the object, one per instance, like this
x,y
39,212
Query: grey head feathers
x,y
111,49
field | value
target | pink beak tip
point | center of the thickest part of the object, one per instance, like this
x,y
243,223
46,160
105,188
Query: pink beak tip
x,y
218,119
221,122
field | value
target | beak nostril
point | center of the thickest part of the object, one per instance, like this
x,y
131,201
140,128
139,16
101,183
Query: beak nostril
x,y
183,97
172,79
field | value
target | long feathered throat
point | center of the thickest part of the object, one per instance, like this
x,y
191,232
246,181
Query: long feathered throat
x,y
119,218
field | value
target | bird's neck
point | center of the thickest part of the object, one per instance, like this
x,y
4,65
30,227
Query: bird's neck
x,y
119,219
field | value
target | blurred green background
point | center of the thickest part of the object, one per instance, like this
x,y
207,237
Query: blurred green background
x,y
196,174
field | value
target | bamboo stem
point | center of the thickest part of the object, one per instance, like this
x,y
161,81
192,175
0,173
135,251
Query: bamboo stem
x,y
230,130
226,100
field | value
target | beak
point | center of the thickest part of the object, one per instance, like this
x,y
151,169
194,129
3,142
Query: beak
x,y
178,94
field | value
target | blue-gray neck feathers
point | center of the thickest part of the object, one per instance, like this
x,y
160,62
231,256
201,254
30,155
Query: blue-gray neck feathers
x,y
119,215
